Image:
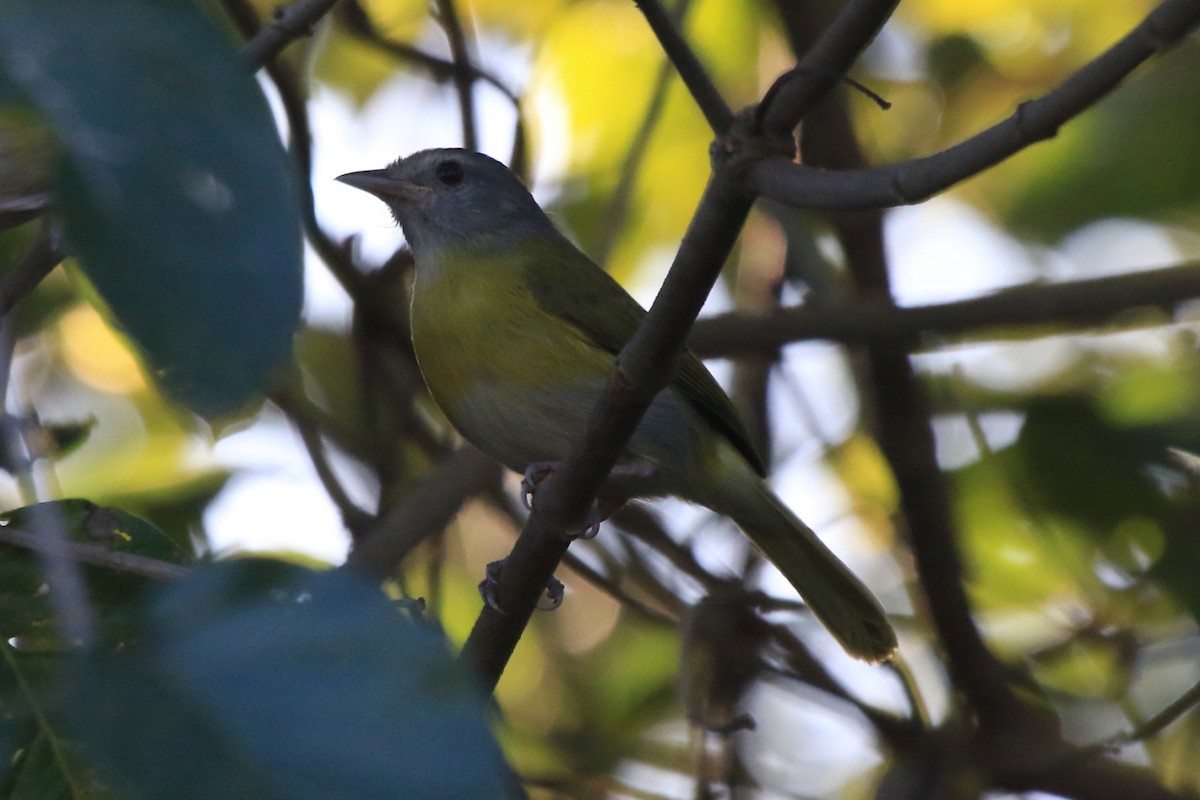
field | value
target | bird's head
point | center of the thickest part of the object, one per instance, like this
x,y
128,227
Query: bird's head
x,y
454,198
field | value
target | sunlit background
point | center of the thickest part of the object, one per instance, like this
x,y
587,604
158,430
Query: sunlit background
x,y
1056,443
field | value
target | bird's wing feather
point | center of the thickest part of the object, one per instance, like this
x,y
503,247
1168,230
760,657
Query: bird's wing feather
x,y
596,305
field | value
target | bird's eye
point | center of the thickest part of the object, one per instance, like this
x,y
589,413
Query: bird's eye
x,y
449,172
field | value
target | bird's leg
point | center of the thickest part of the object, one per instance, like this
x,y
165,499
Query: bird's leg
x,y
491,582
536,472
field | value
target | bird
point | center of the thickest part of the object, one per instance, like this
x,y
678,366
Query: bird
x,y
516,331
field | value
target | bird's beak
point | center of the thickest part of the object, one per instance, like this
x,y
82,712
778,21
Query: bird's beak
x,y
383,185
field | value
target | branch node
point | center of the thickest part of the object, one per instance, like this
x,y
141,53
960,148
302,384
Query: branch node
x,y
1029,129
745,143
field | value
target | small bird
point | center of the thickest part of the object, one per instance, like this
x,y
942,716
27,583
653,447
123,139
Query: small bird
x,y
516,332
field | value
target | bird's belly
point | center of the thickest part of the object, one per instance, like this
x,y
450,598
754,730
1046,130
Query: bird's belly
x,y
518,423
525,398
517,385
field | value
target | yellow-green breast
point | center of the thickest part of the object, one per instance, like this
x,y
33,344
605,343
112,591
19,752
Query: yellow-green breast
x,y
516,381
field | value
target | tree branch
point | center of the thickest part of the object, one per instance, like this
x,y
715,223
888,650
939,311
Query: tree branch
x,y
1035,120
288,23
358,23
295,109
902,427
95,554
464,74
694,75
868,321
424,511
855,26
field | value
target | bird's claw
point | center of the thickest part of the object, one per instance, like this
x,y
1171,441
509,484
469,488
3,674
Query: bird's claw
x,y
535,473
593,524
555,591
490,584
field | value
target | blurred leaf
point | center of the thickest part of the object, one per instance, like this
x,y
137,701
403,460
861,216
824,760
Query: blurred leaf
x,y
36,760
173,186
1145,394
1092,501
41,440
1086,668
1028,35
355,67
258,679
1079,466
333,379
1132,155
33,660
1015,565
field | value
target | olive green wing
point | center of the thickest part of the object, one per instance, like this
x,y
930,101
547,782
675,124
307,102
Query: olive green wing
x,y
566,283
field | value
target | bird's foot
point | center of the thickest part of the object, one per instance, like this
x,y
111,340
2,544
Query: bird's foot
x,y
535,473
490,584
601,510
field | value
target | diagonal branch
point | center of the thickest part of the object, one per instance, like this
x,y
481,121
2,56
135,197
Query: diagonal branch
x,y
693,73
287,24
851,31
1035,120
424,511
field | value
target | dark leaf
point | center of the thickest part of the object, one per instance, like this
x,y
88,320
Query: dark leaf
x,y
259,679
173,186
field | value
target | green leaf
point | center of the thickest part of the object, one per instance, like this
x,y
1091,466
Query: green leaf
x,y
27,610
172,185
36,759
260,679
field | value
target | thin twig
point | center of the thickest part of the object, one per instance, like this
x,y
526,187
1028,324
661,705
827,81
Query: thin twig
x,y
288,23
424,511
1035,120
616,591
357,22
464,74
353,517
839,45
95,554
1159,722
804,667
694,75
642,527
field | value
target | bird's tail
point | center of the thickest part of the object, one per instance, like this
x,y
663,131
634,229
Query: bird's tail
x,y
843,604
